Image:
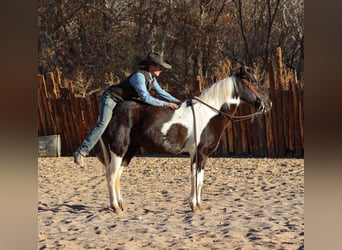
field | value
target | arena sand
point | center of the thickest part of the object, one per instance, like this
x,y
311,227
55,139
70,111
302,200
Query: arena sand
x,y
250,203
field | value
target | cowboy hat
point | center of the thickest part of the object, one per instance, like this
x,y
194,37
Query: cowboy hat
x,y
157,58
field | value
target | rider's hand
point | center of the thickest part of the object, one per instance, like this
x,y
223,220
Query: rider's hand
x,y
172,105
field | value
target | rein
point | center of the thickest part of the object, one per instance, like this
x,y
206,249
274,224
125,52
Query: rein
x,y
234,118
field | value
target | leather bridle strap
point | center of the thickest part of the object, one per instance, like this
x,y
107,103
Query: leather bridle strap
x,y
250,87
232,117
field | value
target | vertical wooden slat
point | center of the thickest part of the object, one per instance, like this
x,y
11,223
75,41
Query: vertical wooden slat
x,y
67,109
285,117
257,140
262,135
244,141
198,85
52,82
291,120
59,80
45,105
65,123
222,148
272,90
42,123
94,111
278,96
301,116
249,132
77,117
297,139
54,116
279,63
237,140
230,138
279,123
269,134
90,111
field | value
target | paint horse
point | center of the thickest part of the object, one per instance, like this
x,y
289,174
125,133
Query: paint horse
x,y
195,128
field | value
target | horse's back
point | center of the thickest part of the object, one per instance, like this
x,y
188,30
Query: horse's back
x,y
138,112
140,124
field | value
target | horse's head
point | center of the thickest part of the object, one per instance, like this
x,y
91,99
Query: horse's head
x,y
249,89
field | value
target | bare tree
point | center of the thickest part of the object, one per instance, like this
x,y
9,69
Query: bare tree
x,y
109,37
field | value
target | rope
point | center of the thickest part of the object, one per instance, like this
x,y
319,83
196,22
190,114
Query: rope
x,y
232,117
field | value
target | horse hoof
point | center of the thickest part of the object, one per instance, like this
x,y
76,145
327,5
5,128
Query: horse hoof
x,y
196,209
117,210
122,205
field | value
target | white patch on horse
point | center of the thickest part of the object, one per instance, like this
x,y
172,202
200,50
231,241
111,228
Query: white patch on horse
x,y
180,116
234,101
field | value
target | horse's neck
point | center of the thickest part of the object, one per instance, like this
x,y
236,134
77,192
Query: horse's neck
x,y
220,93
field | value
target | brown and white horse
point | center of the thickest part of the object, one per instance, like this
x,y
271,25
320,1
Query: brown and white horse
x,y
194,128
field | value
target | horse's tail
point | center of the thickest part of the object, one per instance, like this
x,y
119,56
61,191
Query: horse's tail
x,y
104,158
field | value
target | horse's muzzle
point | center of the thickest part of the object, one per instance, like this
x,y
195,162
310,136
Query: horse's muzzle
x,y
262,108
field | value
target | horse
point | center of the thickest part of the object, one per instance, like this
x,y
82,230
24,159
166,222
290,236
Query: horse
x,y
195,129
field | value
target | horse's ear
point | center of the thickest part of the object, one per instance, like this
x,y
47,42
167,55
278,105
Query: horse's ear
x,y
243,68
236,69
240,69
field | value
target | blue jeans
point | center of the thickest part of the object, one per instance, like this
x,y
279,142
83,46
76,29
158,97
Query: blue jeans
x,y
107,105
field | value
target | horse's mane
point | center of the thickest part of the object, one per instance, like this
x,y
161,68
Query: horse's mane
x,y
221,90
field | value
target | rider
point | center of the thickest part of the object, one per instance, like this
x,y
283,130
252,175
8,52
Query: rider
x,y
137,85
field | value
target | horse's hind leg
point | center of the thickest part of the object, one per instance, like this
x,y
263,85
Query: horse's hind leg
x,y
126,160
113,175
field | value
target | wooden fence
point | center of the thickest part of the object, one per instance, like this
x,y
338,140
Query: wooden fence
x,y
279,133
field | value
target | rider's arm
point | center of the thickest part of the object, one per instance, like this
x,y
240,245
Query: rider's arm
x,y
138,82
163,94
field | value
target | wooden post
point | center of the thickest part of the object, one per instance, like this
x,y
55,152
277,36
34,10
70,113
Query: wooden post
x,y
272,92
244,141
237,136
230,137
77,115
249,132
59,80
45,109
55,89
297,139
278,107
291,119
198,85
269,134
42,121
279,62
301,114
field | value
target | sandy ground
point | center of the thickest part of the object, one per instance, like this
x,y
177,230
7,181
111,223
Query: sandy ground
x,y
249,204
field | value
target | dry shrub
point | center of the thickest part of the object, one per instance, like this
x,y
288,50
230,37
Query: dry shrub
x,y
82,83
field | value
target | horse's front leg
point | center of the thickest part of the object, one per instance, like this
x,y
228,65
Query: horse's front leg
x,y
113,181
118,189
197,176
